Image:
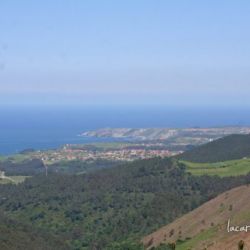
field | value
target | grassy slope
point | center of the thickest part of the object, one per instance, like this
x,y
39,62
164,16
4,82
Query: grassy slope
x,y
206,226
222,169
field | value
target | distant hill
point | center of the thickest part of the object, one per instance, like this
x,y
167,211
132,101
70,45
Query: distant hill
x,y
206,226
227,148
193,135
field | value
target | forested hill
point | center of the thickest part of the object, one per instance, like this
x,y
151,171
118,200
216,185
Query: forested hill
x,y
15,235
102,209
228,148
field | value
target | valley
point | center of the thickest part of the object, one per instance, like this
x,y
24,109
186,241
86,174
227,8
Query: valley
x,y
124,125
113,204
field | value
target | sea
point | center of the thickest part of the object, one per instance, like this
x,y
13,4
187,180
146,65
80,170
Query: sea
x,y
42,128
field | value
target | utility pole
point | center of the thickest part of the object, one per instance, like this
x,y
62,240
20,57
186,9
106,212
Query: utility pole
x,y
46,170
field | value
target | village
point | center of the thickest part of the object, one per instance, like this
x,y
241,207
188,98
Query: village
x,y
122,154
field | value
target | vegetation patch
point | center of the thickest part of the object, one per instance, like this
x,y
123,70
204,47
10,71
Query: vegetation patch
x,y
203,236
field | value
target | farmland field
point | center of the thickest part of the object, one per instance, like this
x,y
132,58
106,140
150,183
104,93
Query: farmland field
x,y
222,169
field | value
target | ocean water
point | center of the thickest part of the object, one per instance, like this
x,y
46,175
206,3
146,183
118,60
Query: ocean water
x,y
47,128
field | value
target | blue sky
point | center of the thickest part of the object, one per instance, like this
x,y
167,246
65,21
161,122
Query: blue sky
x,y
138,52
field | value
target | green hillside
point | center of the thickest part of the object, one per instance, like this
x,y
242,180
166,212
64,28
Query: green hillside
x,y
228,148
104,209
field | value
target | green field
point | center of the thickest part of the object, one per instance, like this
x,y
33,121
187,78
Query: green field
x,y
16,158
16,180
222,169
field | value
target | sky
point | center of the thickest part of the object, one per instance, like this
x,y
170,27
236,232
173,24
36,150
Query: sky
x,y
132,53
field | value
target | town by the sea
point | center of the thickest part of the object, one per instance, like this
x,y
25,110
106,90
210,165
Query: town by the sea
x,y
48,128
